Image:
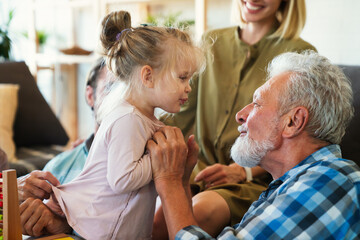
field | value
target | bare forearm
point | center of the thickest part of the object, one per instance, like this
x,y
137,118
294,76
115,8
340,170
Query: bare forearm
x,y
176,203
188,192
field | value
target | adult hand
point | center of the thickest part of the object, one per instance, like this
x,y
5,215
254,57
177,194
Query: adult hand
x,y
36,184
168,152
37,219
192,157
221,174
76,143
172,161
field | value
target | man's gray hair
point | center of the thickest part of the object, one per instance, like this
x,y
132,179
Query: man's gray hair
x,y
319,86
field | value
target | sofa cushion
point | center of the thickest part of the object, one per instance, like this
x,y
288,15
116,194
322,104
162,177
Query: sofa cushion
x,y
35,123
8,106
350,145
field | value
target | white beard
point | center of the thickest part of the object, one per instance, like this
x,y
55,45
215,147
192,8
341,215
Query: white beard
x,y
248,152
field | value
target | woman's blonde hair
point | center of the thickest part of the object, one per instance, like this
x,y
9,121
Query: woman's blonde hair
x,y
127,49
291,16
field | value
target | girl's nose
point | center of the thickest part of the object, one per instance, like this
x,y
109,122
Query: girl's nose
x,y
187,88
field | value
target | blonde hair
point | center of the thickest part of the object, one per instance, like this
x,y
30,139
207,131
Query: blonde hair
x,y
291,16
127,49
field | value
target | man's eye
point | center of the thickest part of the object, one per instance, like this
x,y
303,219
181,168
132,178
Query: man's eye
x,y
255,104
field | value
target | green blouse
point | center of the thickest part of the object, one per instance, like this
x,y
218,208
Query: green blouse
x,y
234,71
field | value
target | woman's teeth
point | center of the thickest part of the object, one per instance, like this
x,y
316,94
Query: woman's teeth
x,y
252,7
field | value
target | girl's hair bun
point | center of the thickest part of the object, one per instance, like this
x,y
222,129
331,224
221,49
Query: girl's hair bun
x,y
112,25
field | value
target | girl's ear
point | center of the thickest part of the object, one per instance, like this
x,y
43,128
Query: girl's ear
x,y
296,120
147,76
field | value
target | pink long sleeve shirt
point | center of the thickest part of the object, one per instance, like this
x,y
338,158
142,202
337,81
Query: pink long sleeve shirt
x,y
114,196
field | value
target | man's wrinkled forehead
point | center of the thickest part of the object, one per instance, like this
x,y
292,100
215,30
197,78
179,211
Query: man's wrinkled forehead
x,y
273,88
260,90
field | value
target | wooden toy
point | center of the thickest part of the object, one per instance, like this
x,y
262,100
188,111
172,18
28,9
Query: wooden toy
x,y
10,225
9,205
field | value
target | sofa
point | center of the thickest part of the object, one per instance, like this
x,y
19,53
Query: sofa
x,y
29,123
350,145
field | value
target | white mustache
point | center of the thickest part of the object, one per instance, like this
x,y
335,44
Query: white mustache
x,y
242,128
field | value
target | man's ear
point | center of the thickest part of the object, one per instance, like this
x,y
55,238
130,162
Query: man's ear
x,y
89,96
147,76
295,121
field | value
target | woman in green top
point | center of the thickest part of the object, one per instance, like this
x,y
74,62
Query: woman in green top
x,y
236,66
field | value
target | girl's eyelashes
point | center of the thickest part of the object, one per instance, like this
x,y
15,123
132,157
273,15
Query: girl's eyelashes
x,y
183,78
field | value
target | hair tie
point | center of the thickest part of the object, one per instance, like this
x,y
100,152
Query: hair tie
x,y
119,34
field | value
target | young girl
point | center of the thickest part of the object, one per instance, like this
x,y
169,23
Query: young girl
x,y
114,196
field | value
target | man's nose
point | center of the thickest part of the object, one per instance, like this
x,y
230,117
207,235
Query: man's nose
x,y
242,115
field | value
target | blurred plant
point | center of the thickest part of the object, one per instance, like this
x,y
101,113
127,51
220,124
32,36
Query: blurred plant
x,y
42,37
171,20
5,41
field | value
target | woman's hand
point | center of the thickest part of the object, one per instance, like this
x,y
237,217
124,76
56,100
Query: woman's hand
x,y
221,174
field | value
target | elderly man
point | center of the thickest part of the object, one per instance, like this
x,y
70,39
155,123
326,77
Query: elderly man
x,y
291,129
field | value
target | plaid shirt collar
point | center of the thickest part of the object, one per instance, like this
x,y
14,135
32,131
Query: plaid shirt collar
x,y
328,152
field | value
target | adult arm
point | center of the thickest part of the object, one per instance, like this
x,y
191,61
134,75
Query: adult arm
x,y
319,203
37,219
36,184
172,162
221,174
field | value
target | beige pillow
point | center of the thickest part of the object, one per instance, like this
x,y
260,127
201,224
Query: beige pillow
x,y
8,106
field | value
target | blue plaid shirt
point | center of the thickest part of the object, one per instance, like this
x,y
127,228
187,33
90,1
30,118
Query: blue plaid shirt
x,y
317,199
